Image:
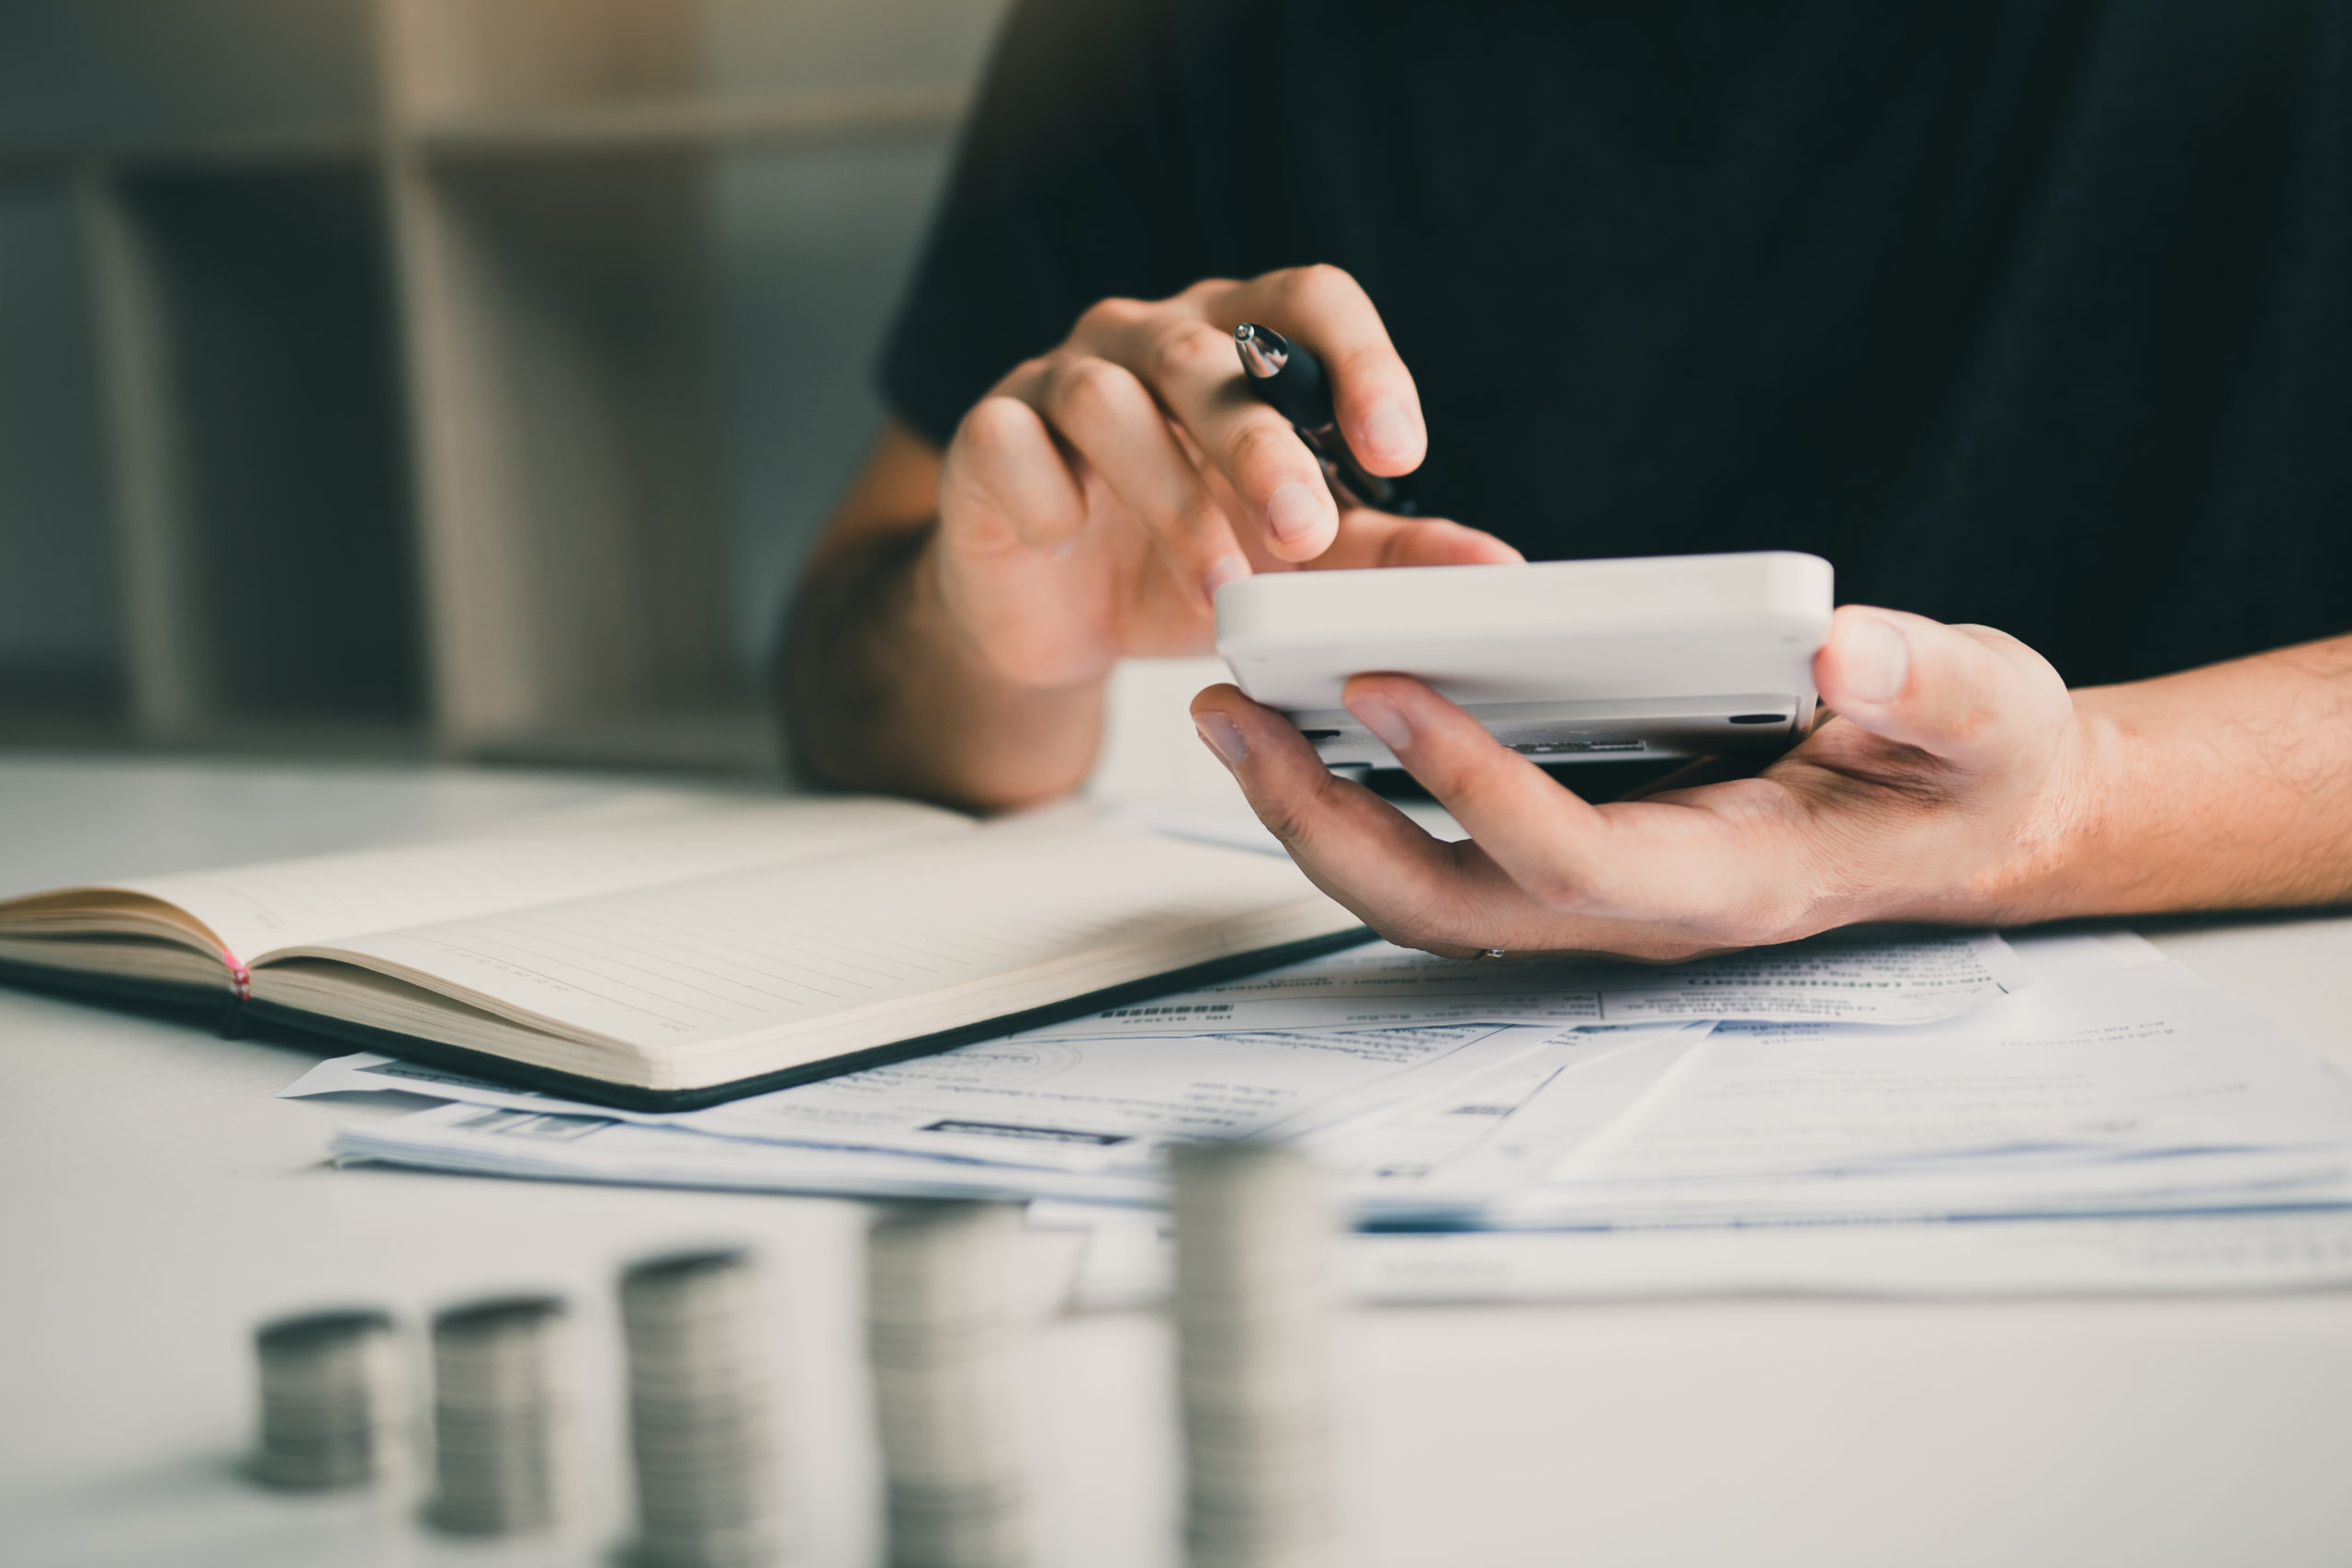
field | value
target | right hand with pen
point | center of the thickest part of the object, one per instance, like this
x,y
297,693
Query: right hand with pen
x,y
1093,504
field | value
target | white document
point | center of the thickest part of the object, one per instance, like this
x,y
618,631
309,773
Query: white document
x,y
493,1130
2058,956
1072,1104
567,1146
1088,1104
1497,1172
1046,1111
1403,1142
1869,979
2188,1144
2115,1089
1123,1260
364,1072
1466,1151
2292,1250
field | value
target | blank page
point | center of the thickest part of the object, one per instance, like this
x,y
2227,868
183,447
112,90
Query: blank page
x,y
718,978
257,910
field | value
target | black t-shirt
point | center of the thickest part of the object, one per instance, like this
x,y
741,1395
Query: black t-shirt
x,y
2030,312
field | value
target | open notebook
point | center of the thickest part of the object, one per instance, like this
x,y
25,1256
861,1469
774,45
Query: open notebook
x,y
692,953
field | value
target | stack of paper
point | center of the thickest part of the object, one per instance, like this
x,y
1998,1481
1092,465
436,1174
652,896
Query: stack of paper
x,y
1841,1082
1359,1050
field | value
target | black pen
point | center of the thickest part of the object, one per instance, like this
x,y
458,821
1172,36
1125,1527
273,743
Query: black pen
x,y
1290,380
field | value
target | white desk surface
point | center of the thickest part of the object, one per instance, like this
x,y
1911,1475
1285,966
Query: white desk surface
x,y
159,1201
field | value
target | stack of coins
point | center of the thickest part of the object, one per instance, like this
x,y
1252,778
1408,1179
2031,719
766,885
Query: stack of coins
x,y
700,1425
499,1402
330,1399
941,1333
1252,1325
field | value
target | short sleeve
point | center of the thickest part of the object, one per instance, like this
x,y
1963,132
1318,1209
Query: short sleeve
x,y
1069,186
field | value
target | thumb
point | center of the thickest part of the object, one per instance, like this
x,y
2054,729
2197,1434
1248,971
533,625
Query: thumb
x,y
1436,541
1381,538
1978,698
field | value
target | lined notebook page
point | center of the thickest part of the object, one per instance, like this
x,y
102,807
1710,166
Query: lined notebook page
x,y
756,957
258,909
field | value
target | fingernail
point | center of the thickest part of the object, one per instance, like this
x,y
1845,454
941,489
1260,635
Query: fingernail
x,y
1388,431
1229,569
1878,661
1222,736
1294,513
1385,719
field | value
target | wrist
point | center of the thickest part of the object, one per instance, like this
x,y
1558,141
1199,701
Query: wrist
x,y
2054,861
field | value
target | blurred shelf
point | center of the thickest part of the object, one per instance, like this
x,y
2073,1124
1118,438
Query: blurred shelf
x,y
293,144
410,393
795,119
264,147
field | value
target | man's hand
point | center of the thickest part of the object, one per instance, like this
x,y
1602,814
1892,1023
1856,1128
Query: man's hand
x,y
1952,777
1091,506
954,627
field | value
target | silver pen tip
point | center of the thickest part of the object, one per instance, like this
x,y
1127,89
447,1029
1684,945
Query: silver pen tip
x,y
1263,351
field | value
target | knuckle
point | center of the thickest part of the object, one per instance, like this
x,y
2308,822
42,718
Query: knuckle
x,y
1083,391
1284,820
1025,375
1202,290
994,427
1316,286
1473,763
1110,315
1265,452
1980,708
1183,348
1295,815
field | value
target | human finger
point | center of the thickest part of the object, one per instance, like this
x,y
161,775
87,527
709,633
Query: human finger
x,y
1188,363
1369,538
1972,697
1349,843
1450,899
1016,487
1113,422
1555,846
1372,393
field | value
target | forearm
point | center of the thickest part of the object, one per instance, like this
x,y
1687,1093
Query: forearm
x,y
2225,787
883,692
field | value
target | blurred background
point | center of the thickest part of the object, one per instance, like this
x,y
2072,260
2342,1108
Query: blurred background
x,y
442,378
